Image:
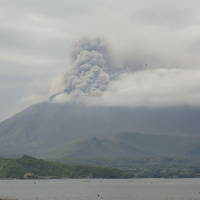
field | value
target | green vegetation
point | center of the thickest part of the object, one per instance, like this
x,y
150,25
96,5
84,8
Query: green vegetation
x,y
138,162
141,168
17,168
149,167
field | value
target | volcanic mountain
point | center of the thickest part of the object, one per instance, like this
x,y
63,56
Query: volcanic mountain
x,y
78,131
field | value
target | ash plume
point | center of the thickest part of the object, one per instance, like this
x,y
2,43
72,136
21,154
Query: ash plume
x,y
97,78
91,71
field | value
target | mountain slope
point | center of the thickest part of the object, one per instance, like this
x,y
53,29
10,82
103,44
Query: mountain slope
x,y
127,145
71,128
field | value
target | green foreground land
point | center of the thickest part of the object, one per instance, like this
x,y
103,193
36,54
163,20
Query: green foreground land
x,y
29,167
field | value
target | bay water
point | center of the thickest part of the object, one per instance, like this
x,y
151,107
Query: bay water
x,y
101,189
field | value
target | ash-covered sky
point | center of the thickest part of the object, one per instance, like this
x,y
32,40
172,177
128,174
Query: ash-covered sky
x,y
153,46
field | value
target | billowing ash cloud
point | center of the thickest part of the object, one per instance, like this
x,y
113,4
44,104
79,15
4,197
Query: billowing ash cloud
x,y
96,78
91,71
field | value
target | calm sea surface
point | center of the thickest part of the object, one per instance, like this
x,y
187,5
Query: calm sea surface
x,y
132,189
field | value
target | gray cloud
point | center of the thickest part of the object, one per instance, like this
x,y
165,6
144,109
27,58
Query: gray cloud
x,y
144,36
95,81
91,71
170,14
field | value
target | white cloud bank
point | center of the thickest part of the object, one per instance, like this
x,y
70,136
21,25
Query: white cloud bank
x,y
93,80
157,87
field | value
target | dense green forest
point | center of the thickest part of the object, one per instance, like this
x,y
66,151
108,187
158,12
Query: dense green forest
x,y
144,168
149,167
17,168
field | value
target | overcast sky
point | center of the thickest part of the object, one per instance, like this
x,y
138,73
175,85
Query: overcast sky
x,y
158,40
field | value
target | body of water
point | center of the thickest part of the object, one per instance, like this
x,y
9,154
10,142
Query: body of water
x,y
93,189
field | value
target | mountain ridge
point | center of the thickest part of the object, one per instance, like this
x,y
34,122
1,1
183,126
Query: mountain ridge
x,y
75,131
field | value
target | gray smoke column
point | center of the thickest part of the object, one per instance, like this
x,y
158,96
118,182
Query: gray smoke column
x,y
91,71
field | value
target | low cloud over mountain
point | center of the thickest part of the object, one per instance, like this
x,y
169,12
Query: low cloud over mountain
x,y
152,45
96,77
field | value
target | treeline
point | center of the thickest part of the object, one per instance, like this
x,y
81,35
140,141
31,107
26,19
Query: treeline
x,y
162,172
29,167
18,168
150,167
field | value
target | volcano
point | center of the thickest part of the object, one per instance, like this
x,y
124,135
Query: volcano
x,y
61,130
